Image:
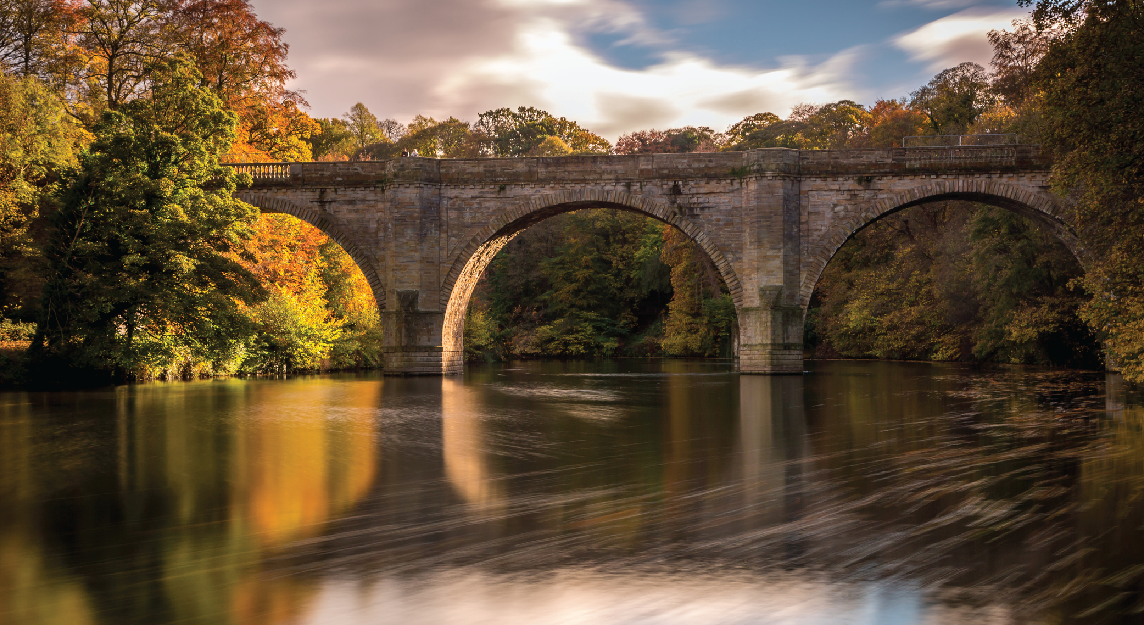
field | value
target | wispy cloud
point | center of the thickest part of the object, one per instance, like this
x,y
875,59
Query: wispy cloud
x,y
926,4
957,38
460,57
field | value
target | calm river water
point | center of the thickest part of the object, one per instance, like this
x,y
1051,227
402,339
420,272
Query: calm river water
x,y
630,492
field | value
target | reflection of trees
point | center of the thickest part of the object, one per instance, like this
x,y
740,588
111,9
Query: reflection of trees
x,y
34,589
208,478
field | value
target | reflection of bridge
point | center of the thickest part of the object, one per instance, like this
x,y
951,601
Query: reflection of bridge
x,y
423,230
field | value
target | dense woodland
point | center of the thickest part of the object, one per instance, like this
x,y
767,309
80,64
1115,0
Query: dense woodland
x,y
124,256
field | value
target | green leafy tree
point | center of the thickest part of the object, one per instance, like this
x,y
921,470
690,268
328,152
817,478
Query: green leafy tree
x,y
140,251
952,281
954,98
292,333
671,141
363,125
333,141
515,133
835,125
736,137
588,283
700,314
38,142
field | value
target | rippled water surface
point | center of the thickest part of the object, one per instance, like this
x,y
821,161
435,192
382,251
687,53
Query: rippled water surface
x,y
630,492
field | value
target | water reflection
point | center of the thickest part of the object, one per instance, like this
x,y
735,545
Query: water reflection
x,y
579,493
156,503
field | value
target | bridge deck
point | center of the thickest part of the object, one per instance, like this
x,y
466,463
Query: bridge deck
x,y
774,161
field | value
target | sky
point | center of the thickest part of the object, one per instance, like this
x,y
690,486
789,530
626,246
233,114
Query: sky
x,y
616,66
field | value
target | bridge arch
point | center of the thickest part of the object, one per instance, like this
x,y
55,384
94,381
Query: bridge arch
x,y
468,262
1034,204
332,227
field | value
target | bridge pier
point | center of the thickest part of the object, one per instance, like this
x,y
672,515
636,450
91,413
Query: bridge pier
x,y
770,340
413,340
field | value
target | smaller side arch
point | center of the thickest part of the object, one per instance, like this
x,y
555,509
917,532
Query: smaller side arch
x,y
331,226
468,262
1023,200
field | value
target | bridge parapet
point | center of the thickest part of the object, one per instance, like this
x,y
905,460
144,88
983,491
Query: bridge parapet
x,y
770,162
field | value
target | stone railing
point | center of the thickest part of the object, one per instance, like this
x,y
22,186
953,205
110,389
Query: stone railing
x,y
956,157
262,171
953,141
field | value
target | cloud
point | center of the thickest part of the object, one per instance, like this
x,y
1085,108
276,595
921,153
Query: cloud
x,y
957,38
926,4
461,57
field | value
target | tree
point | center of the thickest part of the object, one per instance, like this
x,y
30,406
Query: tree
x,y
292,333
363,125
700,313
241,58
736,136
123,38
551,146
671,141
275,131
833,126
515,133
1091,78
890,121
1015,58
139,257
38,142
332,141
34,34
954,98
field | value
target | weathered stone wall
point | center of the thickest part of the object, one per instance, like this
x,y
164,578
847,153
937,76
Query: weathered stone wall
x,y
423,230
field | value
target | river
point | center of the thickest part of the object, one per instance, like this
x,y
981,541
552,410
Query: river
x,y
656,492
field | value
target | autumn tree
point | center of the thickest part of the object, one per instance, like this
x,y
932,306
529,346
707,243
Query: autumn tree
x,y
1091,78
241,58
123,39
890,121
700,315
1016,55
35,35
139,257
954,98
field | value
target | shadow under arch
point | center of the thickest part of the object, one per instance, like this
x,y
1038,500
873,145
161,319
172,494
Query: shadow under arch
x,y
332,227
1040,207
468,263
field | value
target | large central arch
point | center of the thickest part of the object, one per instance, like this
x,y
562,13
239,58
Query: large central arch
x,y
1041,207
468,262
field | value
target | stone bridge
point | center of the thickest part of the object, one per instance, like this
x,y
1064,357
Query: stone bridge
x,y
423,230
